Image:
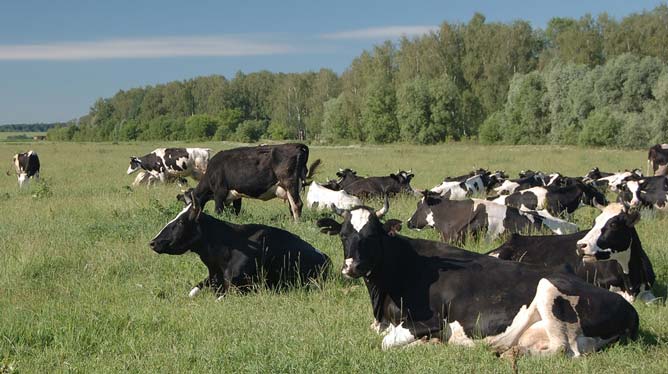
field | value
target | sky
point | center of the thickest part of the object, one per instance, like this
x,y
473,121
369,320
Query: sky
x,y
58,57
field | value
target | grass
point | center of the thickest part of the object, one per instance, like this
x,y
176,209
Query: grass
x,y
6,134
80,291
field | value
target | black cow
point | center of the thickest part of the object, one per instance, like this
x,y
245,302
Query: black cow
x,y
455,218
376,186
27,166
261,172
657,158
168,164
240,255
646,192
425,289
346,177
555,199
614,236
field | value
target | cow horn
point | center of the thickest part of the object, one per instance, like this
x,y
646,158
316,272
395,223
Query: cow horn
x,y
386,206
340,169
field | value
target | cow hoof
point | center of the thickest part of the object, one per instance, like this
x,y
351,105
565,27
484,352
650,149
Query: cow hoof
x,y
194,292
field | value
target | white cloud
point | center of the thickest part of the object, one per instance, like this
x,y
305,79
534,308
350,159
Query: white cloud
x,y
387,32
144,48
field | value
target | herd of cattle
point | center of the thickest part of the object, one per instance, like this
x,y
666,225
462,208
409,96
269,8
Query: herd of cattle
x,y
537,294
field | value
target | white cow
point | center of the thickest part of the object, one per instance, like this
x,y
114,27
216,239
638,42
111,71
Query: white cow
x,y
323,198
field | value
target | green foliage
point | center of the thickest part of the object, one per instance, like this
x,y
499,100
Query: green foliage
x,y
201,127
279,131
491,129
250,131
526,119
379,113
601,128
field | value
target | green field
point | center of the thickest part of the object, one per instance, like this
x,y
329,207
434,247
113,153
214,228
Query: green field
x,y
8,134
80,290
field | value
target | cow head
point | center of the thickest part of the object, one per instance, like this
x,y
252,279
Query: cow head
x,y
135,164
361,233
592,196
592,175
612,235
343,173
423,215
404,179
181,233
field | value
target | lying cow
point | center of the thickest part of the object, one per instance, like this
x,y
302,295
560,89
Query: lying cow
x,y
455,218
554,199
346,177
611,181
651,192
377,186
657,159
26,166
169,164
424,289
613,237
476,184
323,198
240,255
526,180
263,172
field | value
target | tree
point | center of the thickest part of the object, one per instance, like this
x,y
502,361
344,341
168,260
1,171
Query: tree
x,y
201,127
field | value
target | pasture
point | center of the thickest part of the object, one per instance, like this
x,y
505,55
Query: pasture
x,y
80,290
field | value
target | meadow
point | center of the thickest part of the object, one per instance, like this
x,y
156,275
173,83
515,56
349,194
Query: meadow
x,y
80,290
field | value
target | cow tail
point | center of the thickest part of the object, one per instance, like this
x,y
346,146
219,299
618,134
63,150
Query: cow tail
x,y
302,160
312,171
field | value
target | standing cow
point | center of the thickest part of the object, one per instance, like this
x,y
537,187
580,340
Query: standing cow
x,y
167,164
657,158
261,172
26,165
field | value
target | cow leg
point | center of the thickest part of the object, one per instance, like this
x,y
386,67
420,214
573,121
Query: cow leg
x,y
23,180
199,287
292,192
399,335
219,199
236,204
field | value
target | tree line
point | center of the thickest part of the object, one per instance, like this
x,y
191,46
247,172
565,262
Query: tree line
x,y
28,127
593,81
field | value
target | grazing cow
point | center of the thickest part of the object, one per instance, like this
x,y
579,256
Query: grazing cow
x,y
554,199
454,218
323,198
239,255
646,192
424,289
261,172
477,184
168,164
527,179
657,158
613,237
26,165
376,186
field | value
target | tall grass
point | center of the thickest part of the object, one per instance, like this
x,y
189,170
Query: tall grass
x,y
81,291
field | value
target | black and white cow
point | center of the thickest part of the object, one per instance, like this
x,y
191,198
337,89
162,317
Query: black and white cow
x,y
377,186
263,172
240,255
346,177
26,165
527,180
425,289
479,183
613,237
657,159
646,192
455,218
167,164
611,181
554,199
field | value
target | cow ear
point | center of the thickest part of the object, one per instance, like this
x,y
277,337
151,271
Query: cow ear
x,y
328,226
632,217
392,227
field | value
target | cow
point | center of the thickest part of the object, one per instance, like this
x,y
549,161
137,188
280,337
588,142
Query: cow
x,y
168,164
527,179
611,181
651,192
476,184
26,166
240,256
657,159
554,199
262,172
376,186
613,237
346,177
321,197
425,289
455,218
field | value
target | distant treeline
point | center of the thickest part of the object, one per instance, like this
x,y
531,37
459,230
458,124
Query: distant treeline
x,y
28,127
593,80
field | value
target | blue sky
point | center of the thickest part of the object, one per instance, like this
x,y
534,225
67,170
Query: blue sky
x,y
57,57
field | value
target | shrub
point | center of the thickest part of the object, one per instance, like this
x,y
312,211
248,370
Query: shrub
x,y
250,131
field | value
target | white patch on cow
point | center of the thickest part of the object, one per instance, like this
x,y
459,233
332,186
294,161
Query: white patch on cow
x,y
500,200
454,334
541,193
664,146
590,240
623,258
634,187
324,198
507,187
347,263
193,292
474,184
397,336
556,225
359,218
627,296
184,211
430,219
496,213
553,177
456,191
23,180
